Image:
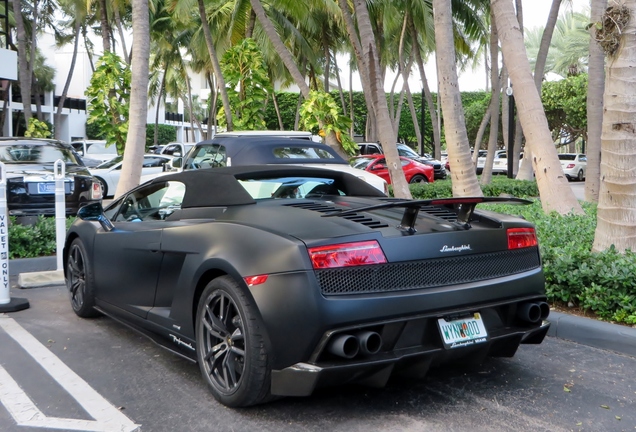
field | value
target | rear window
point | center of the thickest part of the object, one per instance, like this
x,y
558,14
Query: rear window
x,y
567,157
301,153
291,187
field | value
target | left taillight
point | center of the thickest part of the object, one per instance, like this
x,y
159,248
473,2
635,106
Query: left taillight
x,y
346,255
519,238
96,191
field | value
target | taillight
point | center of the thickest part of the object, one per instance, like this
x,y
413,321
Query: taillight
x,y
96,191
255,280
521,238
346,255
570,166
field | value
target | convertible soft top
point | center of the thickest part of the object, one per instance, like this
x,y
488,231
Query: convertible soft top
x,y
229,192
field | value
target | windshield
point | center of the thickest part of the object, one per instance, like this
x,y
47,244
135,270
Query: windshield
x,y
361,163
406,151
110,163
100,148
36,153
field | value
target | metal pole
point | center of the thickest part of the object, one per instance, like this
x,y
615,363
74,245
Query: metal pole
x,y
60,210
7,304
423,119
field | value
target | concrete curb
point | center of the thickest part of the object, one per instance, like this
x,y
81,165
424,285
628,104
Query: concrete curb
x,y
590,332
41,279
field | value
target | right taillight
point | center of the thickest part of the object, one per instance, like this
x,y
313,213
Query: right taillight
x,y
519,238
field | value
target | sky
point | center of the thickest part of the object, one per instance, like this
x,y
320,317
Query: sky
x,y
535,14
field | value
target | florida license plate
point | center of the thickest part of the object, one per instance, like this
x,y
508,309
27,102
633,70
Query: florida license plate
x,y
463,331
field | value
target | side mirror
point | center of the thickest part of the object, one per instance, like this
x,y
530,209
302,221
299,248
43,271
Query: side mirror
x,y
177,162
95,212
378,167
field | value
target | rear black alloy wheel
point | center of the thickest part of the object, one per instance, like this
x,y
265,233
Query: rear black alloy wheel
x,y
230,345
79,280
580,176
418,179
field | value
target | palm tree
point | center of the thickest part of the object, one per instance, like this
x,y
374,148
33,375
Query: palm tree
x,y
23,63
462,168
136,139
556,194
596,82
615,223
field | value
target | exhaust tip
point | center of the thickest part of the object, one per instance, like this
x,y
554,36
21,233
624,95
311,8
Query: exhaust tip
x,y
545,310
530,312
345,345
370,342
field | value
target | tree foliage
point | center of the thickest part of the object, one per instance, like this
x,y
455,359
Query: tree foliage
x,y
321,107
108,99
248,85
565,107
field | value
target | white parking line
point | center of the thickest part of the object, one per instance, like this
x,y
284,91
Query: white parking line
x,y
107,417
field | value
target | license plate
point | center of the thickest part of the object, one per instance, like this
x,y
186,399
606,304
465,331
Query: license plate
x,y
46,188
462,332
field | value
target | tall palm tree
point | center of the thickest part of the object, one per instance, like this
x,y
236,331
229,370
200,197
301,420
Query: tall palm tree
x,y
615,225
462,168
136,139
556,194
595,84
23,63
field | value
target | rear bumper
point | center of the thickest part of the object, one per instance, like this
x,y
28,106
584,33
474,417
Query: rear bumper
x,y
303,378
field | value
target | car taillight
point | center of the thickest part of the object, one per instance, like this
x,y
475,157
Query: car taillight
x,y
569,166
255,280
96,191
346,255
521,238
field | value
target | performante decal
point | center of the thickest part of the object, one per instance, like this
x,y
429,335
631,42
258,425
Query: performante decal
x,y
178,341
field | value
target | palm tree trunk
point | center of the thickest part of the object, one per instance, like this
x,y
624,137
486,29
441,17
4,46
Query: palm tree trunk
x,y
216,66
556,194
121,33
486,174
595,84
485,120
277,109
103,19
340,91
414,119
616,216
23,65
67,84
464,178
370,61
136,139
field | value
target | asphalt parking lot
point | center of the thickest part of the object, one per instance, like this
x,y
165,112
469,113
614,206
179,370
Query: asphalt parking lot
x,y
61,372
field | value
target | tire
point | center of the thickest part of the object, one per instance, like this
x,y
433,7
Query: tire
x,y
231,349
104,186
79,280
417,178
580,175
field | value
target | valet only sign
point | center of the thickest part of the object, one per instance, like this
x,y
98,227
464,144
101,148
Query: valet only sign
x,y
7,304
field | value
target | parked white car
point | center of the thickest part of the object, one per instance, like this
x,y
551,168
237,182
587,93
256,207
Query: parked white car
x,y
500,164
574,165
108,173
95,149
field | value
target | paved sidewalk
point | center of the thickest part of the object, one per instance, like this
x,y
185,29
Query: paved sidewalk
x,y
39,272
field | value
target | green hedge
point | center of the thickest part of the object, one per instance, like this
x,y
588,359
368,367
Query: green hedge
x,y
29,241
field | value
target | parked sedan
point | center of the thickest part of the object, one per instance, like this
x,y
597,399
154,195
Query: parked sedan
x,y
29,165
406,151
282,279
108,173
414,171
574,165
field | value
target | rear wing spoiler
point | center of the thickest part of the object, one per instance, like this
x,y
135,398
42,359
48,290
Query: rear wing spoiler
x,y
464,206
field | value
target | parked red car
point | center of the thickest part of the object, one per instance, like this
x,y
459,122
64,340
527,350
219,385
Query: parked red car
x,y
414,172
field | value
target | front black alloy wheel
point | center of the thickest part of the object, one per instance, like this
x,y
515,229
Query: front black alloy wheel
x,y
79,280
231,348
418,179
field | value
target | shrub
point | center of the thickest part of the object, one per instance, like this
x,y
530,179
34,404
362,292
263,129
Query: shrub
x,y
29,241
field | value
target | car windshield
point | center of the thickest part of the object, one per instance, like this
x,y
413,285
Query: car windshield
x,y
101,148
110,163
36,154
290,187
361,163
406,151
567,157
301,153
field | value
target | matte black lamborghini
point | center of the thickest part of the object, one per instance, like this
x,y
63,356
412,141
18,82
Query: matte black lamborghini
x,y
278,280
